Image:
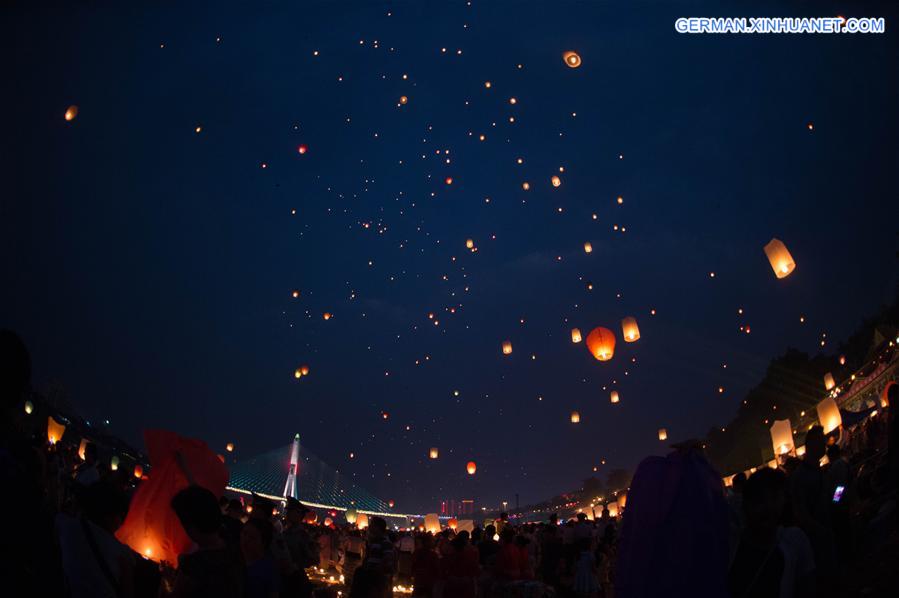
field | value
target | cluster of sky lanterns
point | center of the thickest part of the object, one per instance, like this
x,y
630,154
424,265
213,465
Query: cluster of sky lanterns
x,y
301,371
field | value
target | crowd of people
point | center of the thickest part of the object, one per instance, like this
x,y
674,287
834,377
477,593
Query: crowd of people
x,y
799,529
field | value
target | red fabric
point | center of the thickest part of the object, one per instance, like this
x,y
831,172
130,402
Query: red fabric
x,y
151,527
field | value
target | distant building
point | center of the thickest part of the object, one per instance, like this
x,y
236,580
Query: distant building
x,y
453,507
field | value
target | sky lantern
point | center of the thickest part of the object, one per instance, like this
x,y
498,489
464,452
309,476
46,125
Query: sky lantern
x,y
629,330
507,347
782,437
828,381
588,247
572,59
829,415
575,417
55,430
432,523
471,467
433,453
614,396
404,100
842,360
71,112
613,509
781,261
138,471
326,316
390,503
575,335
302,149
351,515
29,407
469,243
362,521
556,181
453,523
229,447
663,434
601,343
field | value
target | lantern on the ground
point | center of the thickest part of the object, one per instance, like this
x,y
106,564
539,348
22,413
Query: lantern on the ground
x,y
556,181
351,515
601,343
630,330
55,430
327,522
829,415
575,335
613,509
828,381
779,257
622,500
572,59
614,396
507,347
782,437
471,467
433,453
82,448
390,503
575,417
469,243
663,434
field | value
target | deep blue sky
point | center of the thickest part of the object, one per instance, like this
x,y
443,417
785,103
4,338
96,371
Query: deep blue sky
x,y
150,268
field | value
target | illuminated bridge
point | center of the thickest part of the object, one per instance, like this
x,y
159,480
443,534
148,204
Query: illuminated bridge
x,y
315,484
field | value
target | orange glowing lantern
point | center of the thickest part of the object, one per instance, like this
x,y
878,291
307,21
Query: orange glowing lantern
x,y
434,453
326,316
614,396
453,523
613,509
575,417
390,503
229,447
842,360
663,434
138,471
29,407
55,430
469,243
575,335
71,112
572,59
622,500
782,437
362,521
432,523
471,467
588,247
828,381
556,181
779,257
82,447
829,415
630,330
404,100
507,347
601,343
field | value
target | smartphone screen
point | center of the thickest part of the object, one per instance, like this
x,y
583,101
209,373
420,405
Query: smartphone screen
x,y
838,493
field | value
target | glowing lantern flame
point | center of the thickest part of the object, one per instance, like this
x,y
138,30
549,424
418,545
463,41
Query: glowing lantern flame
x,y
614,396
471,467
71,112
829,381
82,447
630,330
433,453
572,59
326,316
432,523
829,415
575,417
663,434
779,257
55,430
782,437
601,343
575,335
507,347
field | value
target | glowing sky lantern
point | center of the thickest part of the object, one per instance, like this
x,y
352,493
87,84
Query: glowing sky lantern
x,y
575,417
82,447
828,381
575,335
507,347
842,360
229,447
453,523
601,343
114,463
138,471
328,522
432,523
629,329
829,415
572,59
556,181
614,396
71,112
302,149
613,509
471,467
782,437
326,316
781,261
55,430
304,369
29,407
588,247
663,434
404,100
362,521
351,515
469,243
433,453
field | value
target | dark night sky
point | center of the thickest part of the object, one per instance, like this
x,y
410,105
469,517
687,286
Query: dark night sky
x,y
150,268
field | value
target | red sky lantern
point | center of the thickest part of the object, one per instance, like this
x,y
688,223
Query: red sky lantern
x,y
601,343
303,149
